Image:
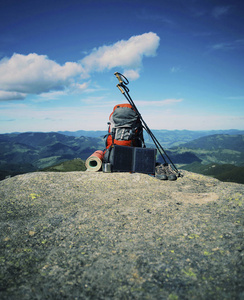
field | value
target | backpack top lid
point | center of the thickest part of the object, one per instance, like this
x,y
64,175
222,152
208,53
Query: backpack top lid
x,y
123,105
123,114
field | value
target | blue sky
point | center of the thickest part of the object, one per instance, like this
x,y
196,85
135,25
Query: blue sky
x,y
184,60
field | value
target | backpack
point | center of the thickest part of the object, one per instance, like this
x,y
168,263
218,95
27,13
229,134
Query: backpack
x,y
125,127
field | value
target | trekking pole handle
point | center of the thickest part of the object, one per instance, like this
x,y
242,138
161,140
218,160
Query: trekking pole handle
x,y
120,88
119,78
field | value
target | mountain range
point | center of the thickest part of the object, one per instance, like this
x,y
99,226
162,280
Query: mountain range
x,y
167,138
31,151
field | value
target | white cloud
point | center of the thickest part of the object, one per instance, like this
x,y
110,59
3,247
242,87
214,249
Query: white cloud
x,y
226,46
175,69
235,98
220,11
35,74
22,75
127,54
76,118
131,74
159,103
78,87
54,119
50,96
173,120
6,95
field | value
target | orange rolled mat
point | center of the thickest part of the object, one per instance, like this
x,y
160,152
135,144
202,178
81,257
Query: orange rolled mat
x,y
94,162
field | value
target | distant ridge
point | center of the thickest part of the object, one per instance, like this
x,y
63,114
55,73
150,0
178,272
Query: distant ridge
x,y
31,151
218,141
97,133
89,133
168,138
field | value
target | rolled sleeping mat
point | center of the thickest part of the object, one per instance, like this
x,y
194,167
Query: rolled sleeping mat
x,y
94,162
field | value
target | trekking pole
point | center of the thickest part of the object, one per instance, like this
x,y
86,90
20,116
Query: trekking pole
x,y
125,91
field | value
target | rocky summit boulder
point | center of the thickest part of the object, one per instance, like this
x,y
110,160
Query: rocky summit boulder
x,y
84,235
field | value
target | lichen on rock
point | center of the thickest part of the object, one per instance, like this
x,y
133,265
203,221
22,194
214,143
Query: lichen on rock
x,y
83,235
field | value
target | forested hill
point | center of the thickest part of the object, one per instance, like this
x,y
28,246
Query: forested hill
x,y
30,151
217,141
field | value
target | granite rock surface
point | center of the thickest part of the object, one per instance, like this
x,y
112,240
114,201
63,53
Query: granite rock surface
x,y
85,235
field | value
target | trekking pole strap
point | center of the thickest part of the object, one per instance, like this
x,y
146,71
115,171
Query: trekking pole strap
x,y
120,76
